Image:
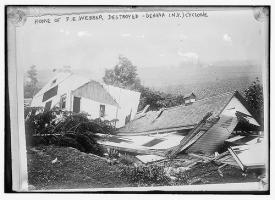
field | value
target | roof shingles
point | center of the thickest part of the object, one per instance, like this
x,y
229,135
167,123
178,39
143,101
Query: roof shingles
x,y
179,116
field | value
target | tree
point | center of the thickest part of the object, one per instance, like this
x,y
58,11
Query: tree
x,y
254,97
30,86
124,74
149,97
158,100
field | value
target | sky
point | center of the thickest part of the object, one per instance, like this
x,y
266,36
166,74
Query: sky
x,y
94,45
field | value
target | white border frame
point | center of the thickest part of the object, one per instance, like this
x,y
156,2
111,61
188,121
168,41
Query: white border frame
x,y
160,3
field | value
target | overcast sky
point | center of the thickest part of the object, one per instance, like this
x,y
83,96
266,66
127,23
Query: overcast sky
x,y
95,45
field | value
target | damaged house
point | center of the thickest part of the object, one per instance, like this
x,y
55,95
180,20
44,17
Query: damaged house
x,y
75,93
202,128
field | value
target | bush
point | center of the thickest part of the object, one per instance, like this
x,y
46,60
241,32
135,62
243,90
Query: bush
x,y
255,99
59,122
146,175
127,159
83,142
63,128
80,123
157,99
37,121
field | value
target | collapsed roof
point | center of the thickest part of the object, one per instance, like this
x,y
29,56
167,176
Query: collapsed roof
x,y
180,117
202,127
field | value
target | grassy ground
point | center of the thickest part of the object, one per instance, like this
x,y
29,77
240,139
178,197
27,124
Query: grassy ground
x,y
73,169
51,167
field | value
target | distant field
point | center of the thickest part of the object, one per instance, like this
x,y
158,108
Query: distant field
x,y
211,88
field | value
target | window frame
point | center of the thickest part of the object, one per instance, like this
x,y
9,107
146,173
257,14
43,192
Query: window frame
x,y
102,114
63,97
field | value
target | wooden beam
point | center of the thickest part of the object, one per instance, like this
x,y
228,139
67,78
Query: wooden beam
x,y
156,131
137,151
236,158
221,155
202,157
223,165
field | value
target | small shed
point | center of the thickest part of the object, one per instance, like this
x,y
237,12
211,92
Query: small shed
x,y
190,98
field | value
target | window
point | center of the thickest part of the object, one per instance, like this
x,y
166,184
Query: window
x,y
47,106
76,105
50,93
101,110
63,101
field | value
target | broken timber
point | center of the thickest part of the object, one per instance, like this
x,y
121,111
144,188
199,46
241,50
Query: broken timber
x,y
205,158
137,151
236,158
201,128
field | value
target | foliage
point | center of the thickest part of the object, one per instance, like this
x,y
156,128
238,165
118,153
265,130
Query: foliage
x,y
123,75
146,175
37,121
79,123
112,153
126,160
57,121
64,128
158,100
30,86
254,97
85,142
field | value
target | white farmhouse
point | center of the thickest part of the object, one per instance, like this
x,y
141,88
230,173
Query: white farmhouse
x,y
75,93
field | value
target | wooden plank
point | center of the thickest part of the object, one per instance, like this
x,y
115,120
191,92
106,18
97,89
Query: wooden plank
x,y
225,158
190,138
236,158
201,156
223,165
194,139
137,151
214,137
221,155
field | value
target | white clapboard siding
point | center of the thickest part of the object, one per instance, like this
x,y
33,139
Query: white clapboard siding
x,y
215,136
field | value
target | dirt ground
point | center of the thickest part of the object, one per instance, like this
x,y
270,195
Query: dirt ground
x,y
51,167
